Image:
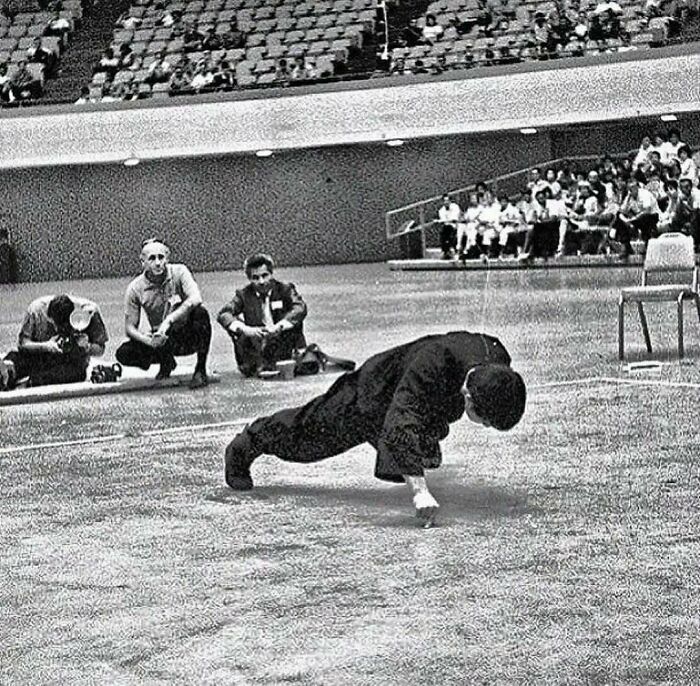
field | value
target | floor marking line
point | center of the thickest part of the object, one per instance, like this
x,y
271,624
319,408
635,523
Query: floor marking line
x,y
650,382
94,440
568,382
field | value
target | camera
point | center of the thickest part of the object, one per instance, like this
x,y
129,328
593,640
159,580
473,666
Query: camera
x,y
103,374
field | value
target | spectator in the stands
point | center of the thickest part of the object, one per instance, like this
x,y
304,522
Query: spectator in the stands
x,y
638,216
550,176
489,225
512,218
541,227
642,156
660,147
22,85
467,232
192,38
584,215
687,217
180,82
668,214
597,187
673,144
59,27
300,70
234,38
484,18
4,83
126,57
412,34
224,76
212,40
203,76
108,64
687,164
656,187
282,71
449,215
160,70
39,53
84,98
542,35
128,21
536,183
169,18
580,29
432,31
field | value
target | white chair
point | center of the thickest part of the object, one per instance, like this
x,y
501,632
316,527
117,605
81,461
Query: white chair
x,y
670,253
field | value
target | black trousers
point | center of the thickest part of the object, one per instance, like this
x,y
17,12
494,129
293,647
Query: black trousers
x,y
49,368
192,336
542,238
328,425
253,355
644,228
448,238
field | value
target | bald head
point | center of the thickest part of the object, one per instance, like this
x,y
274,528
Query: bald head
x,y
154,258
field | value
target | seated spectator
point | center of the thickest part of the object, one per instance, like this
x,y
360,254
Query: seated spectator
x,y
265,319
687,216
485,19
22,85
212,41
661,148
299,70
411,35
449,215
126,57
610,20
160,70
234,38
673,144
656,187
667,215
541,227
432,31
50,349
595,29
180,82
4,83
584,214
282,72
536,183
550,176
169,18
687,165
203,76
489,228
192,38
642,157
84,96
558,211
42,55
512,220
109,63
597,187
543,36
224,76
467,229
638,216
59,27
580,29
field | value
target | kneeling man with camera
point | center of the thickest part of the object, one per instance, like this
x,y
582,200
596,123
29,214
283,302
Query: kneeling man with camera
x,y
59,334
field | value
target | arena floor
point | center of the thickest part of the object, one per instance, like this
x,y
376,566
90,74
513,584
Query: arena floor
x,y
566,551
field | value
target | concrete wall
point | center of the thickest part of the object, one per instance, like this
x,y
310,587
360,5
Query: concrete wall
x,y
308,206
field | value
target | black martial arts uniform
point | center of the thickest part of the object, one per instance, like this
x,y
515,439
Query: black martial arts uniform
x,y
401,401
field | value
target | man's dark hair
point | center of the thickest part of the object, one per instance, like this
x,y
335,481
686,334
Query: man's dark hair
x,y
258,260
498,394
59,310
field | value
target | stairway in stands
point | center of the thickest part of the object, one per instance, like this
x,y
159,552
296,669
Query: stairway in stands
x,y
93,36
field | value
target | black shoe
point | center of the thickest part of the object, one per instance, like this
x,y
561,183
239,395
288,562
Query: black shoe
x,y
166,368
7,376
238,458
199,379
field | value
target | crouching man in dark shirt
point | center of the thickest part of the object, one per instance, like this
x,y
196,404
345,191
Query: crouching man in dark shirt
x,y
401,401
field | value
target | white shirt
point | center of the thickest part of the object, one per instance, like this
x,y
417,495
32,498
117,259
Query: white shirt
x,y
432,32
450,214
644,202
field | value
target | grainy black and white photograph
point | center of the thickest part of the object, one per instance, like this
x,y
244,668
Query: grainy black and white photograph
x,y
349,342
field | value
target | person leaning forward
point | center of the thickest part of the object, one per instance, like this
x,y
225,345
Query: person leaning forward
x,y
402,402
50,350
179,323
264,319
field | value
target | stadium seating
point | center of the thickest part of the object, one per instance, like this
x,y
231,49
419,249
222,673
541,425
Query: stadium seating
x,y
326,32
18,32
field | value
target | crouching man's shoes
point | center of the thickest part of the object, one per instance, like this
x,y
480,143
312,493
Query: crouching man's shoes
x,y
238,458
199,379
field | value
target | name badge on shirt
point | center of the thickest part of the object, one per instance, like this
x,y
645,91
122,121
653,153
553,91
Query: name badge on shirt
x,y
276,304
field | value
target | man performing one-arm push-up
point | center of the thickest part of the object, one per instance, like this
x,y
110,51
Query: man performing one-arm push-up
x,y
401,401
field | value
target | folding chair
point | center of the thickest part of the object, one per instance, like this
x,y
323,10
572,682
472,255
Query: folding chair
x,y
672,252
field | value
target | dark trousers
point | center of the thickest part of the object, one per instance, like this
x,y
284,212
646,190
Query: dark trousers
x,y
48,368
542,238
644,228
192,336
687,221
448,238
253,355
328,425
